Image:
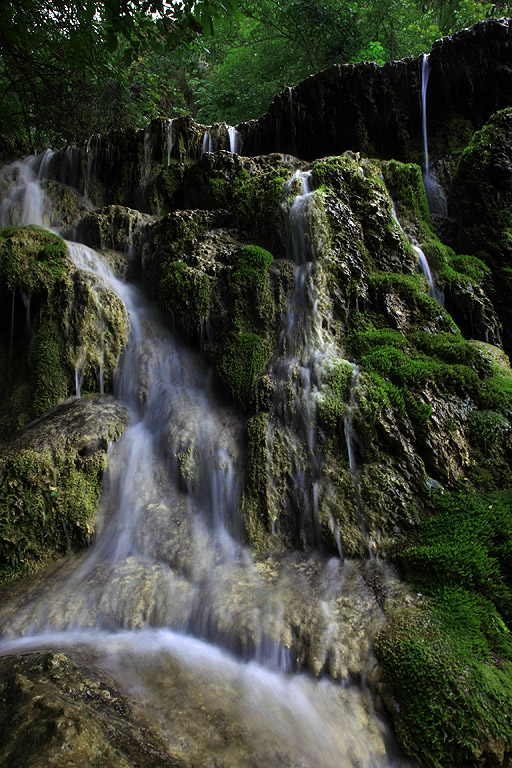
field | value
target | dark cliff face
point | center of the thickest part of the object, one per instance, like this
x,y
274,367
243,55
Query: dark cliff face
x,y
377,110
365,108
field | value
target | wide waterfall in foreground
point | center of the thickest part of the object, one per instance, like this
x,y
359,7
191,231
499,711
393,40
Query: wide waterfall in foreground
x,y
168,598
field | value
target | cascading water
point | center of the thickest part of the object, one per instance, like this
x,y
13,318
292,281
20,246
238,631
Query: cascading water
x,y
168,562
207,145
422,263
305,351
234,139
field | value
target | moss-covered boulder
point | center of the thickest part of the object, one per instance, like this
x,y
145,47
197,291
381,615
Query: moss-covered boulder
x,y
217,289
50,483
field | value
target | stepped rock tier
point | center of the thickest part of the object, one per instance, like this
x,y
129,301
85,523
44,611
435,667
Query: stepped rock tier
x,y
256,431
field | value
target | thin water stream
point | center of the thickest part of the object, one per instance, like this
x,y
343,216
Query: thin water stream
x,y
209,640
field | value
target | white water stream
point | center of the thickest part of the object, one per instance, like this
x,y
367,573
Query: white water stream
x,y
168,599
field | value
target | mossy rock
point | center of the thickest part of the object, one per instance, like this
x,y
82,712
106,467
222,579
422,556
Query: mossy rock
x,y
186,293
32,259
482,189
50,483
58,324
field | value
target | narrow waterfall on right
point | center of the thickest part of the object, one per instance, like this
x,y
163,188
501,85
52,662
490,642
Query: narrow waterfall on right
x,y
435,195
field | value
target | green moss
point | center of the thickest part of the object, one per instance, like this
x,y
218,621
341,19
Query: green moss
x,y
450,348
255,508
363,342
410,288
253,305
49,373
249,342
47,504
405,184
449,658
448,706
32,259
469,267
186,294
486,428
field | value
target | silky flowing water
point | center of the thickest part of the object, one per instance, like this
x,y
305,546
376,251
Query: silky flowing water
x,y
213,642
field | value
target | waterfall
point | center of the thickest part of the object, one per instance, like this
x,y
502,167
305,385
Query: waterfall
x,y
169,142
435,195
304,349
207,145
24,201
234,139
168,598
422,262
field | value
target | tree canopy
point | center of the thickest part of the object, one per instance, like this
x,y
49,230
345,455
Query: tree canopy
x,y
69,68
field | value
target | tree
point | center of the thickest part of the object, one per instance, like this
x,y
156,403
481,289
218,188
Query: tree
x,y
64,63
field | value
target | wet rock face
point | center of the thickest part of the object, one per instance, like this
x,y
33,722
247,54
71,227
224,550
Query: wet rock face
x,y
113,227
58,712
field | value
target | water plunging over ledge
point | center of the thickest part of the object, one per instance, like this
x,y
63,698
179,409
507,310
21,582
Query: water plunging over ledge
x,y
168,599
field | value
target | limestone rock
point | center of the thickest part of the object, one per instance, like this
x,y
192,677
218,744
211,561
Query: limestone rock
x,y
59,712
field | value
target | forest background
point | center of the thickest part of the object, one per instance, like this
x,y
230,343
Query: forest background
x,y
72,69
